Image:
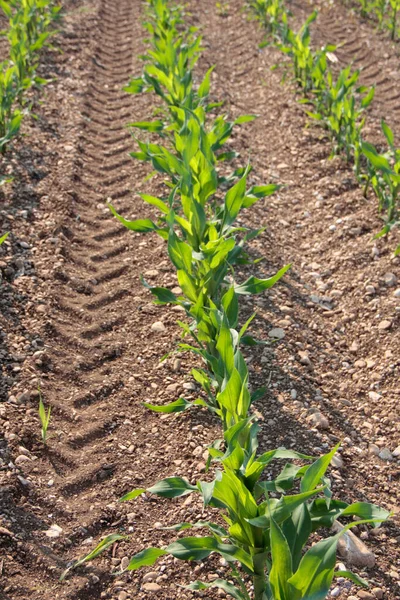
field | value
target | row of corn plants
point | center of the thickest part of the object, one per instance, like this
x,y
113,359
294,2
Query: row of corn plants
x,y
384,12
263,527
29,29
338,103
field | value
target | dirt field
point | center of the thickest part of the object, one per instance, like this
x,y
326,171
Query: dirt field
x,y
75,318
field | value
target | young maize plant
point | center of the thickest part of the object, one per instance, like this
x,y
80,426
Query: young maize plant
x,y
384,11
28,32
303,60
339,106
206,248
3,238
10,115
271,13
384,178
266,540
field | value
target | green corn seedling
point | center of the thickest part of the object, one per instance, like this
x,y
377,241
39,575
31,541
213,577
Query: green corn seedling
x,y
267,528
384,178
10,115
44,418
3,238
272,14
340,106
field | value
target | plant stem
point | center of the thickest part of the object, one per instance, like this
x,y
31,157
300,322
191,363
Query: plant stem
x,y
259,576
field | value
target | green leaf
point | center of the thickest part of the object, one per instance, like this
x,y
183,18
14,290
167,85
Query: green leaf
x,y
132,495
222,584
204,87
145,558
253,285
180,253
281,570
353,577
244,119
163,295
155,202
389,135
177,406
152,126
140,225
378,161
103,545
4,237
317,470
172,487
198,548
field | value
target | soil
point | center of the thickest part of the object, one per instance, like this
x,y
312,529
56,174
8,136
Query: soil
x,y
76,321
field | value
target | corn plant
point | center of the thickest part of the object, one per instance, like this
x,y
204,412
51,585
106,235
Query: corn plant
x,y
304,61
10,115
339,107
271,13
384,178
3,238
44,418
268,530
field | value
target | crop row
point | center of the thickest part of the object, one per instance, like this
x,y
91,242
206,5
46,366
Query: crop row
x,y
28,31
338,103
384,12
263,526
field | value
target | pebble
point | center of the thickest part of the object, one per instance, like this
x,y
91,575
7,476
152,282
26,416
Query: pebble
x,y
22,459
319,420
177,364
54,531
365,595
378,593
337,461
385,454
396,294
370,290
293,394
373,449
24,245
189,386
122,596
151,587
276,333
23,398
124,562
383,325
396,452
304,358
150,576
390,279
158,326
374,396
335,592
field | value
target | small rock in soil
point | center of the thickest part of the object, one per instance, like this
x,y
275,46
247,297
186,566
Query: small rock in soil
x,y
383,325
390,279
319,420
151,587
276,333
150,576
158,326
385,454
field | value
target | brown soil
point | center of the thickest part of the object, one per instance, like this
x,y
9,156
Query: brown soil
x,y
76,320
